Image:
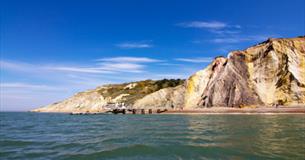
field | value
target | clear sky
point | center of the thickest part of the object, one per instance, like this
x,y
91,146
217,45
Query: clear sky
x,y
52,49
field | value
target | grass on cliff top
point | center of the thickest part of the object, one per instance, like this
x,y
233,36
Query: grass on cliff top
x,y
141,89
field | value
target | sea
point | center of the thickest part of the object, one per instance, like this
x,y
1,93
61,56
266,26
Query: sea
x,y
41,136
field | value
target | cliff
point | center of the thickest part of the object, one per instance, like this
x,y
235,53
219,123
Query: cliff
x,y
270,73
111,96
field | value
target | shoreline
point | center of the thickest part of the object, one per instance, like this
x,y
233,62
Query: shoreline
x,y
214,110
225,110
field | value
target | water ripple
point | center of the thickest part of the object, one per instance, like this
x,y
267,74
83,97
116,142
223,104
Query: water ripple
x,y
61,136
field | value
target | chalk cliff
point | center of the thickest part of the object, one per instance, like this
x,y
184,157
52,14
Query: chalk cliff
x,y
270,73
167,98
128,95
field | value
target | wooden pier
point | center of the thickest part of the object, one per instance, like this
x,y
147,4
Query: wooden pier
x,y
124,111
137,111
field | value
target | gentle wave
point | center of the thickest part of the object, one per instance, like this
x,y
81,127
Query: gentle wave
x,y
148,152
61,136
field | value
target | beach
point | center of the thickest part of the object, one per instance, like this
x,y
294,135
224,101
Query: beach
x,y
227,110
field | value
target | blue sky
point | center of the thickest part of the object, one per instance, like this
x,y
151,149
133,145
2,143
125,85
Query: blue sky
x,y
51,49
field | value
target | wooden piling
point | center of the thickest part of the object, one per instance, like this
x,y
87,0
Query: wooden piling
x,y
142,111
150,111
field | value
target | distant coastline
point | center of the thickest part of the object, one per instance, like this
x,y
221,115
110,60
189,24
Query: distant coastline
x,y
259,79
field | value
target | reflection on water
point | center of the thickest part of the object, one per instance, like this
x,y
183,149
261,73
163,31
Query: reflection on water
x,y
60,136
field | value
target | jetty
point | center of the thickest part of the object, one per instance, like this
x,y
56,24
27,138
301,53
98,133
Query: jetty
x,y
123,111
137,111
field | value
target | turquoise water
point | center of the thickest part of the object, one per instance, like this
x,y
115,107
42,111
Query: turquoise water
x,y
62,136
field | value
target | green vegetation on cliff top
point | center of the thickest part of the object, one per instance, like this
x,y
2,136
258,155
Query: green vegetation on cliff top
x,y
139,90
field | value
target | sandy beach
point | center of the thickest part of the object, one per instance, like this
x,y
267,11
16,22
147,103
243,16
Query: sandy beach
x,y
226,110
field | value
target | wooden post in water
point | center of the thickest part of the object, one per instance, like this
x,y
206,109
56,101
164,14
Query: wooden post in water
x,y
150,111
133,111
142,111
